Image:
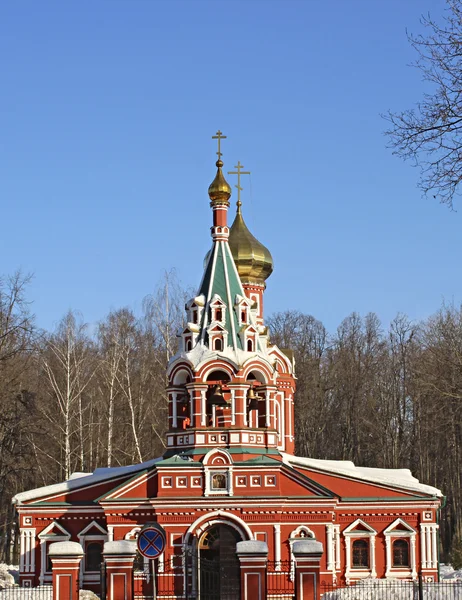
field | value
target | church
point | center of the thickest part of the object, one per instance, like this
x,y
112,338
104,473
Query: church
x,y
230,473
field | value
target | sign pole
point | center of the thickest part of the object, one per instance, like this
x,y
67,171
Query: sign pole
x,y
151,542
154,587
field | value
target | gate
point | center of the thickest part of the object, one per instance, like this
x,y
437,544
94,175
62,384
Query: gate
x,y
218,579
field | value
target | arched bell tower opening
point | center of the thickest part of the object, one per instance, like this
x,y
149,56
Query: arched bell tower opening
x,y
218,564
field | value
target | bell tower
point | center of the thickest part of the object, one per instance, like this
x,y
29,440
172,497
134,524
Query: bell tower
x,y
229,387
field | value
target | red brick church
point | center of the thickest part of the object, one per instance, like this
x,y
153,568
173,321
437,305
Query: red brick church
x,y
230,474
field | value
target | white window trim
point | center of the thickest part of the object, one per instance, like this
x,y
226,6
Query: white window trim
x,y
44,537
102,536
351,532
391,534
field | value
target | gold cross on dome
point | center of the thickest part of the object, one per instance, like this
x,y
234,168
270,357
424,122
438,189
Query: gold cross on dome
x,y
219,136
239,172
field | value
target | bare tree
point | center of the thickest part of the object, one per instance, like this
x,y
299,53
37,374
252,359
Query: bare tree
x,y
430,134
69,370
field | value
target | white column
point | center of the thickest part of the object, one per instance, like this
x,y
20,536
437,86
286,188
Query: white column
x,y
428,544
423,546
191,409
388,555
110,533
22,549
347,557
233,407
203,408
413,563
434,548
32,550
161,563
267,408
174,410
277,545
337,546
373,571
330,546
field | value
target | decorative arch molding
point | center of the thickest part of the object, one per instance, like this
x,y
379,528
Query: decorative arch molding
x,y
132,534
215,518
209,458
301,532
180,363
222,364
359,529
218,473
180,375
261,366
275,352
399,529
46,537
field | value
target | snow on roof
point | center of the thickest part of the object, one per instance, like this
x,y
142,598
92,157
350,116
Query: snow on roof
x,y
98,476
402,478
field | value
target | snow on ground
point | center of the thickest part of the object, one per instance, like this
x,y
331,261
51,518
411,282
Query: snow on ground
x,y
387,589
9,590
448,573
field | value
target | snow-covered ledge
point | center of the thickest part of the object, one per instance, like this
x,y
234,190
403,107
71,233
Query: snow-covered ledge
x,y
252,547
65,549
125,547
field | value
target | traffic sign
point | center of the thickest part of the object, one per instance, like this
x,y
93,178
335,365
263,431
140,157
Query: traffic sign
x,y
151,540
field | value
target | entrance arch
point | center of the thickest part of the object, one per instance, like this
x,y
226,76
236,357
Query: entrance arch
x,y
219,575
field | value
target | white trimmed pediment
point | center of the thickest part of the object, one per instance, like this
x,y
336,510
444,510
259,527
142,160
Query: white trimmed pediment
x,y
54,529
217,301
359,526
399,527
93,525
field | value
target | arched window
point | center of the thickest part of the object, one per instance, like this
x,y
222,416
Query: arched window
x,y
361,554
218,344
93,556
249,346
195,316
400,553
218,314
243,316
188,345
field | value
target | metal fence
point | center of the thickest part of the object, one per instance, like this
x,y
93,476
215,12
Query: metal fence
x,y
44,592
383,589
279,580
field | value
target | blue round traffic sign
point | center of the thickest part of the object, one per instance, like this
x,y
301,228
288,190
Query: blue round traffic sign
x,y
151,541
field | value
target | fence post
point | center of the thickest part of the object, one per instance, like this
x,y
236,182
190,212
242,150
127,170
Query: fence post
x,y
65,560
253,556
307,554
119,557
420,586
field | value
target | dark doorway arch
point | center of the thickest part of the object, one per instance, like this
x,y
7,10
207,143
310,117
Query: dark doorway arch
x,y
219,569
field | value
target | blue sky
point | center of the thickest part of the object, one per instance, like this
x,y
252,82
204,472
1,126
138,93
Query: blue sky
x,y
106,114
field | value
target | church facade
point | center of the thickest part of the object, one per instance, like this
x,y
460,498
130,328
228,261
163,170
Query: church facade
x,y
230,473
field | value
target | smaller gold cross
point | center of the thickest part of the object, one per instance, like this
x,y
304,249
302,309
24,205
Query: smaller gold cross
x,y
219,136
239,172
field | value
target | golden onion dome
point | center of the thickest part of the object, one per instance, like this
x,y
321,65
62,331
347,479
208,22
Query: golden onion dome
x,y
219,189
253,260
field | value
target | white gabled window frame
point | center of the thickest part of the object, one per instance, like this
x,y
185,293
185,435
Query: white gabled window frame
x,y
391,535
350,534
84,538
46,537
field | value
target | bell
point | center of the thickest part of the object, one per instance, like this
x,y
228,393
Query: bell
x,y
216,398
253,399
